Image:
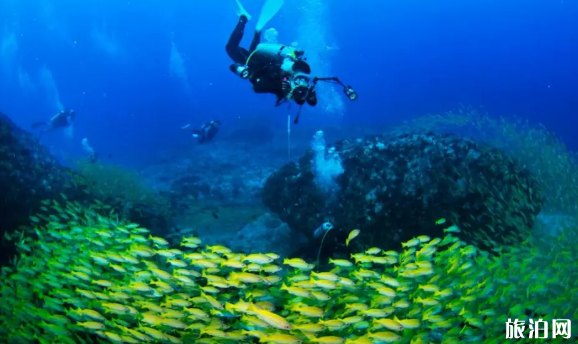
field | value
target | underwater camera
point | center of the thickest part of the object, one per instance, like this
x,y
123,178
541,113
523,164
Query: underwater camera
x,y
301,88
350,93
240,70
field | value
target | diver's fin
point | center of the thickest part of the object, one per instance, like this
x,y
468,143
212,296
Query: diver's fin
x,y
268,11
241,11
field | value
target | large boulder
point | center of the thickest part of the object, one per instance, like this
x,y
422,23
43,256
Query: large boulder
x,y
28,174
395,187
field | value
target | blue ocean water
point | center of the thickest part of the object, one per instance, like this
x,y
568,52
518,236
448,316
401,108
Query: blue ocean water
x,y
135,72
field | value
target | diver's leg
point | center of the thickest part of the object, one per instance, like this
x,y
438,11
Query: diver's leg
x,y
255,42
235,52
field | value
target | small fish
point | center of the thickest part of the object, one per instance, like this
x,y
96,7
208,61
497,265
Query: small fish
x,y
271,318
260,259
408,323
389,324
452,229
386,336
158,241
313,328
91,325
281,339
300,292
352,235
373,251
413,242
328,340
340,262
297,263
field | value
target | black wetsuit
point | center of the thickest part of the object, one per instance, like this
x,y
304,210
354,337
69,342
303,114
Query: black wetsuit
x,y
264,71
207,131
237,53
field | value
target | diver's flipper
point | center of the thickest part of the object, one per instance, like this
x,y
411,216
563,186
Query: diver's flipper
x,y
270,8
241,11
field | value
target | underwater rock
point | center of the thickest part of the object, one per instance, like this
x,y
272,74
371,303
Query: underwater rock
x,y
267,234
553,224
408,181
245,228
29,173
219,173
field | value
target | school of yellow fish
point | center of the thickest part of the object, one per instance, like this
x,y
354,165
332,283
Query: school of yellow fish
x,y
83,277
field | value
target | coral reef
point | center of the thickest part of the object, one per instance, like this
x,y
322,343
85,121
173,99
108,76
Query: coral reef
x,y
394,185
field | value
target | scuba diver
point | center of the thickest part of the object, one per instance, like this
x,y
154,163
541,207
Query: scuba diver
x,y
272,67
63,119
207,131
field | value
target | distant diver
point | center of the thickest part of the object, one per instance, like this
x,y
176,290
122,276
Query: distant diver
x,y
207,131
272,67
64,119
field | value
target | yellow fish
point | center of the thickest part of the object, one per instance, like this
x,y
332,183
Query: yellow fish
x,y
91,325
389,324
325,276
408,323
246,277
352,235
452,229
328,340
281,339
214,303
411,243
297,263
340,262
260,259
296,291
386,336
313,328
158,241
271,318
373,251
440,221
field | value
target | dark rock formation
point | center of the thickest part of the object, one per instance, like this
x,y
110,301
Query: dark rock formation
x,y
395,187
28,174
216,172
